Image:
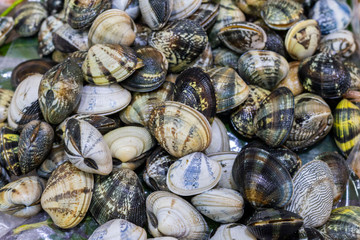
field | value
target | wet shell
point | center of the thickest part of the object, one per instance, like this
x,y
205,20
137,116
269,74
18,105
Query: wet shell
x,y
312,121
324,75
4,176
226,58
156,13
103,100
35,143
181,42
219,138
309,233
142,35
242,119
81,13
5,100
108,63
252,7
118,195
275,116
232,231
152,75
67,195
206,14
179,129
118,229
243,36
303,39
68,40
292,81
86,148
9,141
221,205
313,193
78,57
226,160
131,7
21,198
263,68
28,18
56,157
193,174
230,88
59,91
24,106
128,143
113,27
261,179
194,88
170,215
183,9
340,43
45,39
205,59
6,25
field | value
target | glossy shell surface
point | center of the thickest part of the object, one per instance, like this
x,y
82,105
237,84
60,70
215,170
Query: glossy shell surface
x,y
5,100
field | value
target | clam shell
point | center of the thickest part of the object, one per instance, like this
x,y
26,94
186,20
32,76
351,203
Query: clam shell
x,y
206,14
205,59
5,100
9,140
28,18
45,39
131,7
6,25
68,40
118,195
56,157
156,13
219,138
86,148
142,35
232,231
313,193
340,43
292,81
226,160
226,58
4,176
193,174
251,7
104,100
183,9
67,195
179,129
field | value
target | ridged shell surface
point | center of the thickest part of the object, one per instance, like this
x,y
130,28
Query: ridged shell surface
x,y
156,13
183,9
67,195
340,43
313,193
5,100
226,160
28,18
232,231
6,25
9,140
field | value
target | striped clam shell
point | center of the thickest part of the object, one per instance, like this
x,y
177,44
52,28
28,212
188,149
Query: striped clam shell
x,y
232,231
292,81
219,138
193,174
59,91
108,63
206,14
225,58
67,195
275,116
4,177
340,43
313,193
56,157
35,143
9,141
205,59
6,25
28,18
226,160
45,39
68,40
179,129
156,13
183,9
86,148
118,195
309,233
21,197
5,100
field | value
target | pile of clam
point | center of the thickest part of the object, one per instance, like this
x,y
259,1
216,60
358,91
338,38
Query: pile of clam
x,y
145,85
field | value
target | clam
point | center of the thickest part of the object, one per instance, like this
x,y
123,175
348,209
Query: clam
x,y
129,142
6,25
131,7
56,157
59,91
179,129
193,174
118,229
108,63
24,106
5,100
45,39
183,9
35,143
152,75
206,14
308,233
219,138
78,57
232,231
68,40
225,58
170,215
156,13
242,36
112,27
142,35
9,141
230,88
312,121
340,43
181,42
86,148
263,68
251,7
303,39
4,177
21,197
28,18
292,81
221,205
67,195
324,75
275,117
104,100
274,41
205,59
118,195
313,193
261,179
226,160
81,13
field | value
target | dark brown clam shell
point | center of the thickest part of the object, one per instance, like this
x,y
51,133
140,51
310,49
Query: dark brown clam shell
x,y
68,40
28,18
4,177
9,140
206,14
308,233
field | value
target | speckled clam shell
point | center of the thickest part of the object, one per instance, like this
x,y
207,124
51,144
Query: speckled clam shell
x,y
156,13
313,193
59,91
5,100
219,138
67,195
232,231
104,100
206,14
35,143
129,142
86,148
170,215
24,106
45,39
292,81
221,205
28,18
6,25
193,174
179,129
4,177
56,157
205,59
9,140
68,40
183,9
119,195
340,43
118,229
226,160
20,198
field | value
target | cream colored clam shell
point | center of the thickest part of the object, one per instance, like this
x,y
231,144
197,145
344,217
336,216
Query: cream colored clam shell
x,y
226,160
232,231
184,8
220,139
5,100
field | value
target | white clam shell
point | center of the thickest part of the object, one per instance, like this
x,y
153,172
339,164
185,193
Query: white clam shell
x,y
163,238
184,8
232,231
221,205
341,43
103,100
193,174
118,229
5,100
219,140
226,160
